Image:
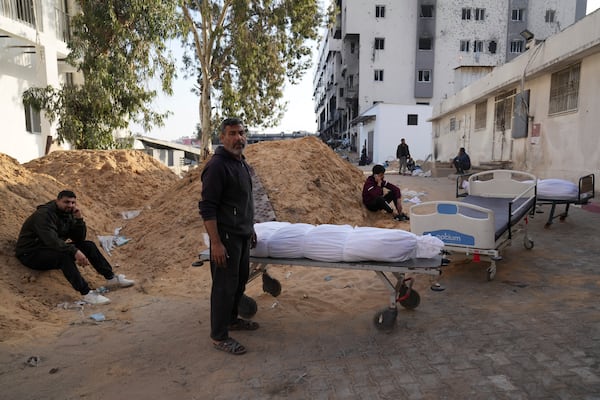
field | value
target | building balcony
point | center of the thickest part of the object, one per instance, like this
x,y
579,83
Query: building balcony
x,y
63,25
27,12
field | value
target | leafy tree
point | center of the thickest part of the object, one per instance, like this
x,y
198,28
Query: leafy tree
x,y
243,52
118,45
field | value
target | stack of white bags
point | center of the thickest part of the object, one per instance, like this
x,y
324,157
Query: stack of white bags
x,y
335,243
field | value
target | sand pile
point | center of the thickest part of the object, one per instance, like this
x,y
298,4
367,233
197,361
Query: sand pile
x,y
305,180
119,179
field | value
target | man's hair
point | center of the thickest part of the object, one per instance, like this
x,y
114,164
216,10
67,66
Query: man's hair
x,y
229,122
66,193
462,149
378,169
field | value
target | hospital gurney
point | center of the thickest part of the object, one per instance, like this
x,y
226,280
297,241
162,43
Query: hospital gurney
x,y
585,192
485,221
393,275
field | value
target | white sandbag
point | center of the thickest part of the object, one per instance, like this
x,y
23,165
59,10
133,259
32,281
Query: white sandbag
x,y
556,189
428,246
288,241
379,244
326,242
264,231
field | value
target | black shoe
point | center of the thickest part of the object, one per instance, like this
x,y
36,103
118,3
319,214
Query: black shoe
x,y
402,217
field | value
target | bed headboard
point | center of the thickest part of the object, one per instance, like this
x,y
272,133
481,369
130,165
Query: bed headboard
x,y
502,183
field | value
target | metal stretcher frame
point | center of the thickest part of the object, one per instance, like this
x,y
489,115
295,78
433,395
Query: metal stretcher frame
x,y
586,191
477,230
400,290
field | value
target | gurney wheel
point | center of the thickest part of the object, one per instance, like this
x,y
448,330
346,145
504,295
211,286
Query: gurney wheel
x,y
412,301
247,307
271,285
385,320
528,243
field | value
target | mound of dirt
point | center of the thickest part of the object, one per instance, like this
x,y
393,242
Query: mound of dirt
x,y
304,179
120,179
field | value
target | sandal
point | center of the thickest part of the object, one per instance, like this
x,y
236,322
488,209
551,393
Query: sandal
x,y
243,325
230,345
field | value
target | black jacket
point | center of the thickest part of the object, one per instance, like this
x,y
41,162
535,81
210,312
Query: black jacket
x,y
227,194
48,227
402,150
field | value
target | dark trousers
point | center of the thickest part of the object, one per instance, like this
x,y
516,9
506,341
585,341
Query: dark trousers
x,y
47,259
460,167
228,285
381,203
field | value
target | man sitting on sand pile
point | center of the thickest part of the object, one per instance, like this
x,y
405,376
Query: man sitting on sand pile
x,y
374,198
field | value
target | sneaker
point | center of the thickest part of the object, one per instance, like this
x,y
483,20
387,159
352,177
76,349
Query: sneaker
x,y
119,280
94,297
401,217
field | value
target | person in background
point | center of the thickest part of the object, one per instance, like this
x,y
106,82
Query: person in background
x,y
374,198
403,154
227,209
462,162
53,237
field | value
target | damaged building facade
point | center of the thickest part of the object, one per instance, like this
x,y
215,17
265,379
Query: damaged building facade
x,y
384,64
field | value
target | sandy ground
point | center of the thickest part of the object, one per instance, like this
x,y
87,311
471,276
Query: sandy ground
x,y
168,307
154,342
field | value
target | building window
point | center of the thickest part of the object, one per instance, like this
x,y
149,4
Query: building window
x,y
350,81
452,124
503,110
352,47
564,90
379,11
33,122
69,79
516,46
424,75
425,44
479,14
379,75
466,13
550,14
477,46
464,45
412,119
379,43
517,14
341,92
426,11
480,114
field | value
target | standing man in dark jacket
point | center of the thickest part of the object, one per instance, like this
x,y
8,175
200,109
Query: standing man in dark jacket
x,y
402,154
53,237
227,208
374,198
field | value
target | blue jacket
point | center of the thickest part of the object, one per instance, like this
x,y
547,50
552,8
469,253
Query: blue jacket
x,y
227,194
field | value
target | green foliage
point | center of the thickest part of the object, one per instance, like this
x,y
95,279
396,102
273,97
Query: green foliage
x,y
244,51
118,45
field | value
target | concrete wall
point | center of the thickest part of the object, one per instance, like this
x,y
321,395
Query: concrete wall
x,y
22,68
567,144
390,125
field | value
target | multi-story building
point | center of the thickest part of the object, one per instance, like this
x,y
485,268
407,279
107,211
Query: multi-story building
x,y
33,48
383,64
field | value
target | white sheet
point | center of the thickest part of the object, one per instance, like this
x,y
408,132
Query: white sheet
x,y
335,243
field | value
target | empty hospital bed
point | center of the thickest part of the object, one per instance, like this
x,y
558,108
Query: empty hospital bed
x,y
580,195
393,275
496,207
